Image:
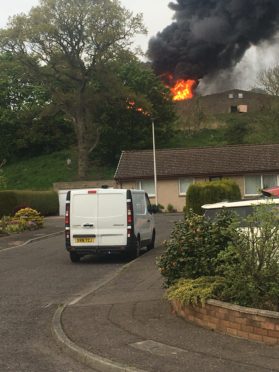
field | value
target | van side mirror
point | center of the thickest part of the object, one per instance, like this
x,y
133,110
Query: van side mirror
x,y
153,209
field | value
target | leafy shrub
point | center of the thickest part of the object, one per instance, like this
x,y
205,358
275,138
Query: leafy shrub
x,y
15,226
31,218
193,247
195,291
250,264
171,209
202,193
157,208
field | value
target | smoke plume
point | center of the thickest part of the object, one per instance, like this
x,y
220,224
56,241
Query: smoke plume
x,y
208,36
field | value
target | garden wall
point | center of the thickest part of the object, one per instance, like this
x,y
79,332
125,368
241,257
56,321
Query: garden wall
x,y
248,323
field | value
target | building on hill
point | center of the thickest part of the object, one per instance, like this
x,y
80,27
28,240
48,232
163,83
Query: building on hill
x,y
231,101
251,166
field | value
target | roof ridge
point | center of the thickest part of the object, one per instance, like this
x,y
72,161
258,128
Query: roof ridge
x,y
203,147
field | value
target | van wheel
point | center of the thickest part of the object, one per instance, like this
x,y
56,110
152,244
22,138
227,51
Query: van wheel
x,y
135,252
151,245
74,257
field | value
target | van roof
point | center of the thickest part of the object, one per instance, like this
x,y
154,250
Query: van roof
x,y
105,190
241,203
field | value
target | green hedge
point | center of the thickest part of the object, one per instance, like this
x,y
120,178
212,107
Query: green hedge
x,y
45,202
201,193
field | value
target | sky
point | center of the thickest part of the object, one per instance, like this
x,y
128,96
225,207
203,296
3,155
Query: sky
x,y
157,16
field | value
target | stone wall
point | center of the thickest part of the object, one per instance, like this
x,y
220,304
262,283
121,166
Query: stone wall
x,y
83,184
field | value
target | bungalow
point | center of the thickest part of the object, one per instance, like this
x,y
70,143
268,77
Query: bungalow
x,y
253,167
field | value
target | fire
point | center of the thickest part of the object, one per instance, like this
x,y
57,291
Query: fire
x,y
132,106
183,89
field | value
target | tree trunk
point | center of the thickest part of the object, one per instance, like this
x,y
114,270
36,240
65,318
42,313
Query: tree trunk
x,y
83,142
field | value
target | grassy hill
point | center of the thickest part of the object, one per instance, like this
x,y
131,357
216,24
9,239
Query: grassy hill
x,y
41,172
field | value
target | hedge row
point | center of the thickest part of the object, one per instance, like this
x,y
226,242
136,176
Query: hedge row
x,y
45,202
202,193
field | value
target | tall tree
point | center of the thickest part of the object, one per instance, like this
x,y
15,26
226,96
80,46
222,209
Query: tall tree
x,y
127,117
70,41
24,127
268,80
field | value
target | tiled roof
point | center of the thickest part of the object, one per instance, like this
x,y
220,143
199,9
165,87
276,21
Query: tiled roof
x,y
207,161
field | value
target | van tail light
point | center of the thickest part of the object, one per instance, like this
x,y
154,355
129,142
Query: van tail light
x,y
67,215
129,218
67,225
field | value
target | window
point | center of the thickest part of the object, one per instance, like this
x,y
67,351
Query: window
x,y
233,109
253,184
147,186
270,180
139,202
230,95
184,184
240,95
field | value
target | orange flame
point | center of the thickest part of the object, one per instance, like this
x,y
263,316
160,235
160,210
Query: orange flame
x,y
132,106
183,89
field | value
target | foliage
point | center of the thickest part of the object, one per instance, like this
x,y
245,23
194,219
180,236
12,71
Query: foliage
x,y
202,193
46,202
159,208
24,219
130,125
250,265
70,41
25,130
195,291
268,80
193,247
171,209
237,129
32,218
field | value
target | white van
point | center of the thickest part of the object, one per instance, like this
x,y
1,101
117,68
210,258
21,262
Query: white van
x,y
108,221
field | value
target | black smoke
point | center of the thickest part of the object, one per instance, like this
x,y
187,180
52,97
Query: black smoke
x,y
207,36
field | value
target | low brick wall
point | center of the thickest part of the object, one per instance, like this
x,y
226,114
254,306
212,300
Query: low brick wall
x,y
239,321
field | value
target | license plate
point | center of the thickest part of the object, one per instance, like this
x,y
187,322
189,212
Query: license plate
x,y
85,240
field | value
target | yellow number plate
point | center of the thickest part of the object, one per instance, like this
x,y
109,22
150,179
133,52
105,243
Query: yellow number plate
x,y
85,240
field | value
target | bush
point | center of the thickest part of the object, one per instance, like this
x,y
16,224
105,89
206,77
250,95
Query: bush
x,y
193,247
24,219
195,291
250,264
45,202
218,259
202,193
31,217
157,208
171,209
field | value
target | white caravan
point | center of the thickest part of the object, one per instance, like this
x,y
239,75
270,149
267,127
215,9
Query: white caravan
x,y
108,221
242,208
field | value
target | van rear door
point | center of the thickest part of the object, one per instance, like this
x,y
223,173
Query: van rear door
x,y
112,217
84,221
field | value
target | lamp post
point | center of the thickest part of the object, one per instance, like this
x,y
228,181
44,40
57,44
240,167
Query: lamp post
x,y
154,162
